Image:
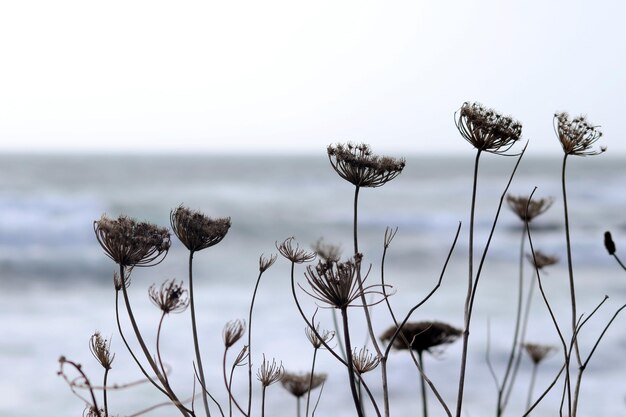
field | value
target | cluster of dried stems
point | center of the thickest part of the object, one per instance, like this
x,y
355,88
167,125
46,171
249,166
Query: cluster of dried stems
x,y
340,286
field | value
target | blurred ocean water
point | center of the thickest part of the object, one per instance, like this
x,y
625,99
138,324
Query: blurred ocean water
x,y
56,282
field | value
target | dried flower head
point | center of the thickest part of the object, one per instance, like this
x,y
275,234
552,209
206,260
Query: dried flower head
x,y
170,297
317,337
541,260
538,352
132,243
486,129
608,243
300,384
422,336
242,356
577,136
197,231
265,263
269,373
336,283
364,361
101,350
326,251
296,255
527,209
357,165
233,331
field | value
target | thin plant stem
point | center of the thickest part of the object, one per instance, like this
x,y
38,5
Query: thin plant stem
x,y
531,386
263,401
146,352
502,399
298,406
619,261
468,298
256,287
420,358
346,333
231,398
104,392
158,346
194,331
545,392
308,396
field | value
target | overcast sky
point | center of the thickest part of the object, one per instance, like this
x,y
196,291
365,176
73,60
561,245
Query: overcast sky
x,y
283,76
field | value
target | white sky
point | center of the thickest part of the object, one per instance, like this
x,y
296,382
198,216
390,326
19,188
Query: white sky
x,y
282,76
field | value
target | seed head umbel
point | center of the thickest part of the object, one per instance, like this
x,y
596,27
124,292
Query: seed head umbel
x,y
364,361
327,251
270,372
537,352
487,130
422,336
265,263
197,231
171,297
359,166
335,283
608,243
318,337
295,254
233,331
101,350
528,210
130,243
541,260
577,136
300,384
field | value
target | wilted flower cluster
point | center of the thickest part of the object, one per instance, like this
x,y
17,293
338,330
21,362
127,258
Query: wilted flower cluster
x,y
422,336
357,165
363,361
317,337
132,243
197,231
170,297
270,372
537,352
527,209
336,283
101,350
486,129
541,260
300,384
233,331
577,136
294,254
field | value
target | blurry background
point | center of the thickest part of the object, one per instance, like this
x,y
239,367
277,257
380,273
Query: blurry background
x,y
136,107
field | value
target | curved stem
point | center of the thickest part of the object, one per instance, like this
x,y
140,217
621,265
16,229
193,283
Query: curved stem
x,y
158,346
308,395
145,350
256,287
194,331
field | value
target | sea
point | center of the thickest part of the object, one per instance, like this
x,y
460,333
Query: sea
x,y
56,283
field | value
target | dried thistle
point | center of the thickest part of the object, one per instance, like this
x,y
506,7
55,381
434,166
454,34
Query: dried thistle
x,y
326,251
527,210
357,165
270,373
197,231
577,136
325,336
538,352
233,331
170,297
101,350
265,263
422,336
296,255
487,130
300,384
336,283
364,361
132,243
608,243
541,260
